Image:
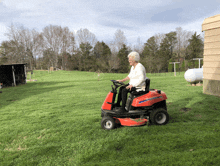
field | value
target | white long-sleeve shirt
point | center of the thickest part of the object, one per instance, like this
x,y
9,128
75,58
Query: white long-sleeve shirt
x,y
137,77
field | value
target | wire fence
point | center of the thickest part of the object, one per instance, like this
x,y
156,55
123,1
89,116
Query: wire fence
x,y
167,73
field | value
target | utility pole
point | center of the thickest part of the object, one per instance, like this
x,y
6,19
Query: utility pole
x,y
174,67
198,59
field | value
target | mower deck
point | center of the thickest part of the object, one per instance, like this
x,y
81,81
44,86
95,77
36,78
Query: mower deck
x,y
131,113
131,122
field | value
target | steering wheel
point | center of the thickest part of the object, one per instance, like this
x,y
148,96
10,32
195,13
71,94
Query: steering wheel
x,y
117,83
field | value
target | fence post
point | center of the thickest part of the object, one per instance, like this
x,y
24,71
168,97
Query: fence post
x,y
198,59
174,67
13,75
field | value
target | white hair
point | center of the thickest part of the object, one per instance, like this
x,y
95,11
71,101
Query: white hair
x,y
134,55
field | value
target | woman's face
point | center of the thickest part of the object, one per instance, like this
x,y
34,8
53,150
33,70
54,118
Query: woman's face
x,y
131,61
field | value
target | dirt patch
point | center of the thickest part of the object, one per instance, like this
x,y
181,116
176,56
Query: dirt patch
x,y
15,146
185,109
198,84
20,148
16,149
198,116
173,119
214,108
12,100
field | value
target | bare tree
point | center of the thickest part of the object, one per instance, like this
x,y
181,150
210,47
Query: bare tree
x,y
139,47
85,36
119,39
183,37
8,52
22,44
25,46
67,44
15,46
159,38
60,40
52,40
179,36
113,61
115,46
31,42
182,41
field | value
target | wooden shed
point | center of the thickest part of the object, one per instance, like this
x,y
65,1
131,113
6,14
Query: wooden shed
x,y
13,74
211,60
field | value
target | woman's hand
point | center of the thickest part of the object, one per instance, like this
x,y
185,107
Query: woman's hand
x,y
123,80
129,87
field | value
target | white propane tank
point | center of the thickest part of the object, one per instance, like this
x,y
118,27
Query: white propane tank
x,y
194,75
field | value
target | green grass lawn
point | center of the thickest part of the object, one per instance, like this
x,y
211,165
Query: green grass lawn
x,y
56,121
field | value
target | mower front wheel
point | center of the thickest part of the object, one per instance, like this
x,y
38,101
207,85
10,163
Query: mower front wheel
x,y
108,123
159,117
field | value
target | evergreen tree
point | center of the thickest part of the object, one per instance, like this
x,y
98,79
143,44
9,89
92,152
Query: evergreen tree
x,y
183,66
190,65
196,64
77,60
177,67
123,60
166,48
170,66
149,54
48,60
168,43
86,58
195,47
201,63
102,55
65,60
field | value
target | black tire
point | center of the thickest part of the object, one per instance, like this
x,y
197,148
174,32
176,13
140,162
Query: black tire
x,y
159,116
108,123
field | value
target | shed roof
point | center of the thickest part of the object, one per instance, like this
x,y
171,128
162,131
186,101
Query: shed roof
x,y
211,23
14,64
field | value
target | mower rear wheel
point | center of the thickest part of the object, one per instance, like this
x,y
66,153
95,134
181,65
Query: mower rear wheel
x,y
159,117
108,123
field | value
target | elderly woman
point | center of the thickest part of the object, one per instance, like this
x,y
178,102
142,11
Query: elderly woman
x,y
137,78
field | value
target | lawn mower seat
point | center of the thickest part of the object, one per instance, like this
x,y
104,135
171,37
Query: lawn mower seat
x,y
136,94
147,88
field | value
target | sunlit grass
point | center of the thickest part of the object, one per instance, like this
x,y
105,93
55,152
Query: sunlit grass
x,y
56,121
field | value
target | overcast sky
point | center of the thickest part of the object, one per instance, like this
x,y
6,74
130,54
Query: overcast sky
x,y
136,18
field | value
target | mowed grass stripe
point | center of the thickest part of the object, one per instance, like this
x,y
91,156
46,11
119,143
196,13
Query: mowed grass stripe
x,y
56,121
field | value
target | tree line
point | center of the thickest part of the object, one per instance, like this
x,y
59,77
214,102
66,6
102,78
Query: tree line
x,y
58,47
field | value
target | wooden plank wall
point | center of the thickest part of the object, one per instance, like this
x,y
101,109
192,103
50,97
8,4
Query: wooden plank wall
x,y
211,61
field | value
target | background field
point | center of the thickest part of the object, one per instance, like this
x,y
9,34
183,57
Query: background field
x,y
56,121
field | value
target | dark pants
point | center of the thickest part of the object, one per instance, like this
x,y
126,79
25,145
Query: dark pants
x,y
122,95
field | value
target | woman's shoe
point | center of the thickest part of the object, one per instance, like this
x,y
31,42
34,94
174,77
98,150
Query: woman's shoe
x,y
120,110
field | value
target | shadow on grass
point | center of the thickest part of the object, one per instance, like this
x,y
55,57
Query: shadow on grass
x,y
201,110
12,94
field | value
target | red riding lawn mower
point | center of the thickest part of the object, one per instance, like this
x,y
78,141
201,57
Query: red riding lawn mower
x,y
142,107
